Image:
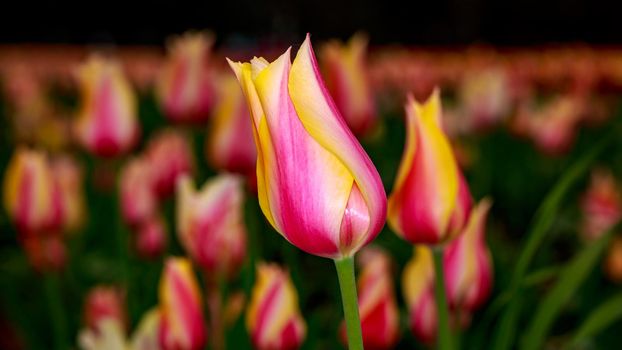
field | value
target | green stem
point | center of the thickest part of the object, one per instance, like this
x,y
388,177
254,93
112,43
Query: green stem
x,y
57,312
444,335
347,283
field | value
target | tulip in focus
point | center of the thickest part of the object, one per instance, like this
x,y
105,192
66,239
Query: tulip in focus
x,y
184,87
138,199
273,318
418,289
348,82
229,144
210,223
151,237
107,123
316,185
170,156
431,200
376,300
32,197
468,264
601,205
182,326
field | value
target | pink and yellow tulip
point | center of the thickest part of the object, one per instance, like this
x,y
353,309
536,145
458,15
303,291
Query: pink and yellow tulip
x,y
70,178
184,89
182,325
601,205
107,123
376,300
136,191
170,156
348,83
229,144
32,197
316,185
104,302
273,318
468,264
430,200
151,237
145,336
418,289
210,223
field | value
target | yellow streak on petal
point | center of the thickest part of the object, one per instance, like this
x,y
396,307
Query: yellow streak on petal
x,y
418,275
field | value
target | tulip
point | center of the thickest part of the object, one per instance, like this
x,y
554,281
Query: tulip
x,y
138,199
170,156
109,335
377,305
146,335
32,197
553,127
151,237
613,261
601,205
229,144
418,289
183,88
273,318
210,223
468,263
70,178
316,185
182,325
348,83
430,200
45,252
107,122
485,97
104,302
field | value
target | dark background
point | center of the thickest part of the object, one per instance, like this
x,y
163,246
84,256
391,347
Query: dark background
x,y
445,22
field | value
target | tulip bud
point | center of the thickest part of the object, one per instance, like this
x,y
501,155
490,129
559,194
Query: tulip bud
x,y
430,200
613,262
107,123
104,302
182,326
151,237
316,185
184,89
601,205
210,223
485,97
376,300
229,145
70,177
138,199
32,197
467,263
348,83
418,288
553,127
273,318
146,335
170,156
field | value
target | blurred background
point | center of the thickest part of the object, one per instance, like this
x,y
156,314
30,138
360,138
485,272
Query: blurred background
x,y
531,96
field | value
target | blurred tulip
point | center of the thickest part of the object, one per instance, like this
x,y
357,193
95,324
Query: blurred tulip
x,y
138,199
107,123
601,205
430,200
146,335
151,237
553,127
229,144
613,262
348,82
210,223
182,326
316,185
183,87
418,288
468,263
485,97
70,178
109,335
45,252
32,197
170,156
273,318
104,302
376,300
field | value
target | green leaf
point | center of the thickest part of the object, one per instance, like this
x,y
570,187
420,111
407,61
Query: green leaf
x,y
543,221
571,278
607,313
